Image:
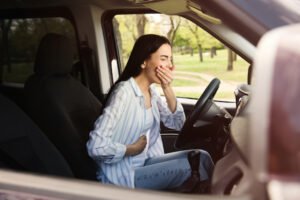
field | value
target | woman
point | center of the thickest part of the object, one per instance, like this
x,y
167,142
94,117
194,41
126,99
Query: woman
x,y
126,141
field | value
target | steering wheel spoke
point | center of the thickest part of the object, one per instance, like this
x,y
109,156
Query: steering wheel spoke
x,y
203,105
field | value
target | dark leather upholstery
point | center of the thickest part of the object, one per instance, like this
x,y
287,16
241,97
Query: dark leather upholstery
x,y
63,108
24,147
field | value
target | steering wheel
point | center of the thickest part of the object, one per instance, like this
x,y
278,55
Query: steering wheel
x,y
202,105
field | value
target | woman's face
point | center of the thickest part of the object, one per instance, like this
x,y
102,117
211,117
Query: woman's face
x,y
162,57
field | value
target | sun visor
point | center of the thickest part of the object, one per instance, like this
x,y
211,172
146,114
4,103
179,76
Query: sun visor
x,y
164,6
172,7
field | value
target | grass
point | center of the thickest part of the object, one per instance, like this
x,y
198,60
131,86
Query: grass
x,y
182,82
19,72
225,95
210,67
216,66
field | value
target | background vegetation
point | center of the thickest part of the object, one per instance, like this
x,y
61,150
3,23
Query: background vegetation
x,y
19,39
198,56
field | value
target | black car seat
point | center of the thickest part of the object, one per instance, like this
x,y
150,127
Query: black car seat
x,y
61,106
24,147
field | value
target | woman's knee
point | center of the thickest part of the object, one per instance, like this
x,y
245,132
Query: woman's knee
x,y
205,155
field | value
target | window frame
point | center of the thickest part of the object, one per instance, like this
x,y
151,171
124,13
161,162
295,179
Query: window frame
x,y
109,35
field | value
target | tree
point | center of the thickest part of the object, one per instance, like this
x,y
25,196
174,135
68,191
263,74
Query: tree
x,y
136,29
198,38
234,56
116,26
5,29
213,52
174,25
129,28
127,20
194,31
230,60
180,42
141,21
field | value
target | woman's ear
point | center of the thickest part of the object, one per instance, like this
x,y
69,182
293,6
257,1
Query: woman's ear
x,y
143,66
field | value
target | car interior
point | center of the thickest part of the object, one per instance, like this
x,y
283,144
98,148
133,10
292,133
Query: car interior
x,y
47,114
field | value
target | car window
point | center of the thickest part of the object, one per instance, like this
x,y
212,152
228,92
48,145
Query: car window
x,y
19,40
197,55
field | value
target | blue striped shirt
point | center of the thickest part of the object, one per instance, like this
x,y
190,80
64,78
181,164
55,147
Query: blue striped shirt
x,y
121,124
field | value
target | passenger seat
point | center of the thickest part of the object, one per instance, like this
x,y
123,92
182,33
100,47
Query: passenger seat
x,y
61,105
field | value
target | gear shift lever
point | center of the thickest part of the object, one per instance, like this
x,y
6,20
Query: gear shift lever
x,y
194,161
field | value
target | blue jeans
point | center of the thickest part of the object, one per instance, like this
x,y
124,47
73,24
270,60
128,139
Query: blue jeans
x,y
170,170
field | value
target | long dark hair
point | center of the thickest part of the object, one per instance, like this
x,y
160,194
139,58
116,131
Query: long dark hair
x,y
144,46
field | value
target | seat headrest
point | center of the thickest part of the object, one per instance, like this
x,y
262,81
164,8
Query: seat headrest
x,y
54,55
275,110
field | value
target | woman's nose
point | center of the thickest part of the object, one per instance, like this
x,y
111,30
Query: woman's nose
x,y
169,65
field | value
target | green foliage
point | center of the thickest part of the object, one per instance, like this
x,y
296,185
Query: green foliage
x,y
195,35
127,31
181,41
188,35
24,35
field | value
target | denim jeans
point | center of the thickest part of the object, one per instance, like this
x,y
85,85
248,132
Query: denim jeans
x,y
170,170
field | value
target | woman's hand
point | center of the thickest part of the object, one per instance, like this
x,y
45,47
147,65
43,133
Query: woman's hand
x,y
137,147
165,75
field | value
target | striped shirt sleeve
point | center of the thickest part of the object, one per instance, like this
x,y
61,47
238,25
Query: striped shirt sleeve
x,y
101,145
171,120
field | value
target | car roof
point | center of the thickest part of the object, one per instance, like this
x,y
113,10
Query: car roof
x,y
259,15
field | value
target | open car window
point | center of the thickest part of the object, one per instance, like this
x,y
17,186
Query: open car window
x,y
197,55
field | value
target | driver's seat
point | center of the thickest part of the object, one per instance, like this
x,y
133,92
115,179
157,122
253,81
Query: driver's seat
x,y
61,106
